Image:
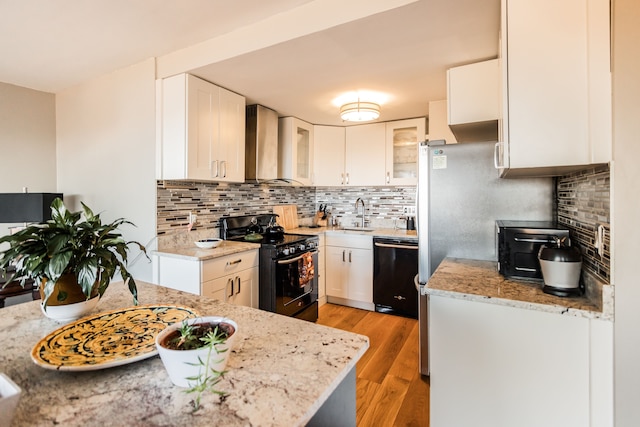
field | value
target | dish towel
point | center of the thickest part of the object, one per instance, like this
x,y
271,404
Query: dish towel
x,y
306,272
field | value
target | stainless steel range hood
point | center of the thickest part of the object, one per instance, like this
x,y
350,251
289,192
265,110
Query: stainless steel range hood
x,y
261,144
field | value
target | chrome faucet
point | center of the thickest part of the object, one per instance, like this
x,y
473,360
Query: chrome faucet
x,y
360,201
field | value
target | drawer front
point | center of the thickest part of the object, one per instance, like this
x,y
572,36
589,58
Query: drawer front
x,y
229,264
356,241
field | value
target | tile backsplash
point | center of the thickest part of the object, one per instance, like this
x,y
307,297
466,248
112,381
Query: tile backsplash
x,y
211,201
583,205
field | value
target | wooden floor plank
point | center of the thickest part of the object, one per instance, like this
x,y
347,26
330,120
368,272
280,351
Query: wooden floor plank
x,y
375,326
406,363
347,317
397,331
414,411
383,408
365,393
389,388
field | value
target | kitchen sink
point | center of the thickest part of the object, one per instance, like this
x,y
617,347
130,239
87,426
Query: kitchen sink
x,y
357,229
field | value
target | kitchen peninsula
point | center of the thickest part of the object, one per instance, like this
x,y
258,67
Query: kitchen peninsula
x,y
512,355
282,372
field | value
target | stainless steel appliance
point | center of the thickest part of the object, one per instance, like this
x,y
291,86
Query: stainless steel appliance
x,y
395,264
561,265
288,279
518,244
459,199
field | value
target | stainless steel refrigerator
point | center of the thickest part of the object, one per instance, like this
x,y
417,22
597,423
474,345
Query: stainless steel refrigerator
x,y
459,198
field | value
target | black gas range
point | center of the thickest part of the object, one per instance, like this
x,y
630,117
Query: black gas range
x,y
288,279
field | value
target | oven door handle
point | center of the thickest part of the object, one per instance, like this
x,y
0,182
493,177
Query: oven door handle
x,y
292,260
530,240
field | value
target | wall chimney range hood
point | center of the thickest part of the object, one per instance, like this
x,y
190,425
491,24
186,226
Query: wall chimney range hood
x,y
261,148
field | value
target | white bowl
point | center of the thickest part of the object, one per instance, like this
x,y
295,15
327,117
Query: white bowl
x,y
9,396
208,243
184,364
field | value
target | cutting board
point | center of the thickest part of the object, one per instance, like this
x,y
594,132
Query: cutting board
x,y
287,216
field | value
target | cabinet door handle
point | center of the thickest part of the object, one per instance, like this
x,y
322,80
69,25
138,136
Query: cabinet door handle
x,y
347,179
349,256
238,261
342,179
214,168
343,251
223,168
496,155
230,282
238,282
388,178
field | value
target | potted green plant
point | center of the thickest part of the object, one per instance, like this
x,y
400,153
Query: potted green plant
x,y
72,258
195,353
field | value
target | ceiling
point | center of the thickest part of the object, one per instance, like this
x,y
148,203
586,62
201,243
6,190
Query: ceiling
x,y
402,54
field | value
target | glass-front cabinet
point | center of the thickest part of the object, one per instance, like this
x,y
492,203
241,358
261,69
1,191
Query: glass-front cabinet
x,y
295,150
402,141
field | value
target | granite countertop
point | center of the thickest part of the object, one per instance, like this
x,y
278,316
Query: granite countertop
x,y
480,281
193,252
280,372
376,232
178,249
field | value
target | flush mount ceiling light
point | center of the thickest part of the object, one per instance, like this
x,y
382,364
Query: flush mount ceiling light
x,y
360,111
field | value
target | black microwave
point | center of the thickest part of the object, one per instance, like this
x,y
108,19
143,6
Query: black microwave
x,y
518,243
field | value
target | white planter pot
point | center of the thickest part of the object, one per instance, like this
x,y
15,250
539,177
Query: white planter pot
x,y
183,364
69,312
9,396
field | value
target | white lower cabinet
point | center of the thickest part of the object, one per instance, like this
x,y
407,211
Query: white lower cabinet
x,y
493,365
239,288
349,270
230,278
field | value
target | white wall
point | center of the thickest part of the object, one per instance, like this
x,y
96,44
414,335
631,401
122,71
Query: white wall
x,y
106,151
626,210
27,142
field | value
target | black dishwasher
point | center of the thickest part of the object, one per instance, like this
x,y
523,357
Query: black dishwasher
x,y
395,264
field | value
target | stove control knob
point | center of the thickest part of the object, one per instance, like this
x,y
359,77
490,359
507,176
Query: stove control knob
x,y
285,251
302,247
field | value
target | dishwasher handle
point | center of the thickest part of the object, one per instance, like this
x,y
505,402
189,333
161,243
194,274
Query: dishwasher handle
x,y
396,246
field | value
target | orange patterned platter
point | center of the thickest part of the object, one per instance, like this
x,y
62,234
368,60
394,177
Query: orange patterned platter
x,y
107,339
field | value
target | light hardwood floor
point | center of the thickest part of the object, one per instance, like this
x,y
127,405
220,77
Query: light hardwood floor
x,y
389,389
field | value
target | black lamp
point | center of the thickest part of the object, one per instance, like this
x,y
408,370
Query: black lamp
x,y
26,207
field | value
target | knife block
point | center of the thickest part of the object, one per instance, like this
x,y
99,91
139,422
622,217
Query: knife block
x,y
319,221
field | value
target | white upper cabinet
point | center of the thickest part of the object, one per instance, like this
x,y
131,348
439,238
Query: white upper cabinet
x,y
231,147
556,86
402,138
329,150
474,101
365,155
438,127
202,131
295,150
